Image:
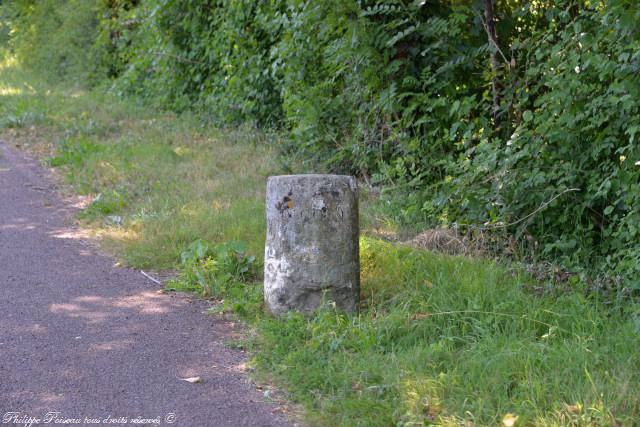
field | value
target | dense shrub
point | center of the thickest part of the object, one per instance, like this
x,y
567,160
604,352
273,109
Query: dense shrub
x,y
533,133
576,112
210,56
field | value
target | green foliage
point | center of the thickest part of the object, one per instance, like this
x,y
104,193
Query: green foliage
x,y
224,261
439,340
74,152
23,120
576,110
57,37
107,203
211,56
449,341
5,25
535,136
221,271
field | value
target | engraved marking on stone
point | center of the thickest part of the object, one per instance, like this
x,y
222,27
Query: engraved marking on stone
x,y
285,203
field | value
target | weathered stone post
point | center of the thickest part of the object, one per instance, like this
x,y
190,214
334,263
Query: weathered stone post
x,y
311,250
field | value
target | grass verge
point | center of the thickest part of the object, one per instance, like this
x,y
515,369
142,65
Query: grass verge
x,y
155,182
440,340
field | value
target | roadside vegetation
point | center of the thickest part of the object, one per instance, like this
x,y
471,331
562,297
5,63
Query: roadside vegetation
x,y
160,180
468,115
172,164
440,340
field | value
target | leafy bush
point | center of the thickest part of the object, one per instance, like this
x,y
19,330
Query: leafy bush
x,y
531,132
373,91
221,271
566,177
212,56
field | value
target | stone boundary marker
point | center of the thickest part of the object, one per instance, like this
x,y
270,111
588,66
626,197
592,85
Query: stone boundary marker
x,y
311,250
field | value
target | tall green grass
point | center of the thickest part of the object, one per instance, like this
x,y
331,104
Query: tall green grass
x,y
456,341
172,185
439,340
170,179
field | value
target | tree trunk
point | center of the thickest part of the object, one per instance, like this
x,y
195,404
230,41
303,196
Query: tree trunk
x,y
490,27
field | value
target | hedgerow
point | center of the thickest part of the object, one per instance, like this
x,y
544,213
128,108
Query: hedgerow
x,y
518,116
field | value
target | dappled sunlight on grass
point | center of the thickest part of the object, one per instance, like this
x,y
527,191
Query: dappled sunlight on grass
x,y
8,62
12,78
439,339
168,200
170,180
454,341
420,398
10,90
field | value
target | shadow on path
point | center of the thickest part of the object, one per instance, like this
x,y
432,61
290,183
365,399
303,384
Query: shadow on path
x,y
83,338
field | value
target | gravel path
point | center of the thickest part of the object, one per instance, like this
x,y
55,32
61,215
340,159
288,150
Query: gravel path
x,y
83,340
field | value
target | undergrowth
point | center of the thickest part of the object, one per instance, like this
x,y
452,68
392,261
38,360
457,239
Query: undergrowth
x,y
439,340
171,179
520,115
